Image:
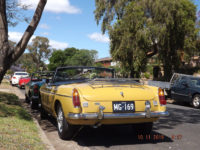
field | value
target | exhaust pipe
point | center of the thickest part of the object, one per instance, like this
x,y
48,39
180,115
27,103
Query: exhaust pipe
x,y
100,117
98,124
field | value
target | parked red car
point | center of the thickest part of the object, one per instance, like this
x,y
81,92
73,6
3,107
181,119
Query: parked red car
x,y
23,82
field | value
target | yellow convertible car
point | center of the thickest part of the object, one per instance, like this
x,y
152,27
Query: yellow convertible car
x,y
93,96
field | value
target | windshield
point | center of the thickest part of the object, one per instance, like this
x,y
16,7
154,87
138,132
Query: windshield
x,y
41,76
66,74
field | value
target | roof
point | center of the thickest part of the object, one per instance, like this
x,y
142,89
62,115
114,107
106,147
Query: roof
x,y
104,59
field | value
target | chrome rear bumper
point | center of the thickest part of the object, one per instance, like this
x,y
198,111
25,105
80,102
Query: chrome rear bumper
x,y
117,115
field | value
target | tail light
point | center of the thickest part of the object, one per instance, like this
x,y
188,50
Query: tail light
x,y
35,89
75,98
161,97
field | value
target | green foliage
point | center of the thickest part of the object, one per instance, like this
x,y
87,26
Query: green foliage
x,y
109,10
9,72
27,62
144,28
149,68
40,51
72,57
147,75
98,65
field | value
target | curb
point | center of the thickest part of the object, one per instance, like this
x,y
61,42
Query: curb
x,y
43,136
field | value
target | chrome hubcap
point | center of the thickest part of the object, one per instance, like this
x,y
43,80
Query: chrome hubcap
x,y
60,120
196,101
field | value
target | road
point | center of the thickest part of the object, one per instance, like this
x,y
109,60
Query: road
x,y
179,131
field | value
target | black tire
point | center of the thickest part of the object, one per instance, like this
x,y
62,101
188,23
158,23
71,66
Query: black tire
x,y
143,128
27,99
39,103
196,101
33,104
43,114
66,131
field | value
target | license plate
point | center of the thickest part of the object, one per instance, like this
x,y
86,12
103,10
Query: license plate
x,y
123,107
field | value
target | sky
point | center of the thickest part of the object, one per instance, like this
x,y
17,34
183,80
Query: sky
x,y
68,23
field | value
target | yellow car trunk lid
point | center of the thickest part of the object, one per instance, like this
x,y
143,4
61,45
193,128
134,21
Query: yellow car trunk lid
x,y
116,93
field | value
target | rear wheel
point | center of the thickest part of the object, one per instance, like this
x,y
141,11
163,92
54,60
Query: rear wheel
x,y
27,99
143,128
65,130
33,104
196,101
43,113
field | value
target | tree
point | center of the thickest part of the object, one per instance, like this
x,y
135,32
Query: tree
x,y
9,55
27,63
83,57
145,28
72,57
40,51
109,10
60,58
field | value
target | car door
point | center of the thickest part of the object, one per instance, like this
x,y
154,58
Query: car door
x,y
48,96
52,90
44,90
181,90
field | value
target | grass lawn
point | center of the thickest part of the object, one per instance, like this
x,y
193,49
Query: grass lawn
x,y
17,129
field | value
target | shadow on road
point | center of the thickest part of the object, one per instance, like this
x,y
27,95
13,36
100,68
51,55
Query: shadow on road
x,y
108,136
178,116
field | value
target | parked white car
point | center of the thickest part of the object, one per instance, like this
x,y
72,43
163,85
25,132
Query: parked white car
x,y
16,76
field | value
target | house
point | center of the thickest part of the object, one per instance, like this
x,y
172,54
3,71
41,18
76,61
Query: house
x,y
106,61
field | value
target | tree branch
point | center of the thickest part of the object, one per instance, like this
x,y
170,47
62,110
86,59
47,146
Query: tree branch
x,y
153,52
20,47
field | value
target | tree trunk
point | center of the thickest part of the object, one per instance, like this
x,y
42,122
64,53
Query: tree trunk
x,y
7,55
132,73
167,71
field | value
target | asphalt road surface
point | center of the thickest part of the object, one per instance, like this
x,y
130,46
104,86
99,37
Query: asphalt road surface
x,y
179,131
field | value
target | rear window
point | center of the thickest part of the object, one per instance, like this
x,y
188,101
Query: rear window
x,y
21,74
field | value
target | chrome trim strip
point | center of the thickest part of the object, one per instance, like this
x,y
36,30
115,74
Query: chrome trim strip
x,y
55,94
118,115
63,95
